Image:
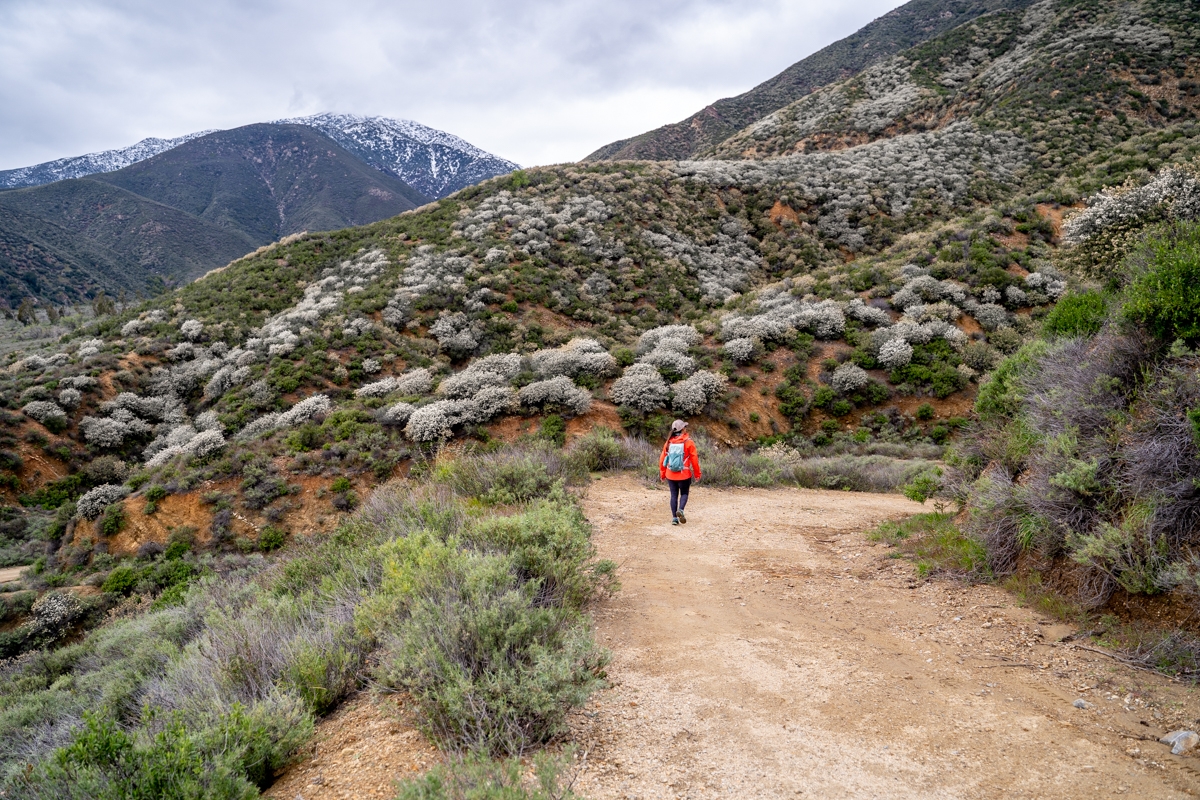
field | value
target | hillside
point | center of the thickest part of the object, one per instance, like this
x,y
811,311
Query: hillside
x,y
173,217
966,271
899,29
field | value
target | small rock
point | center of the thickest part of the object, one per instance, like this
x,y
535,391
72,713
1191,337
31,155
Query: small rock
x,y
1181,741
1081,703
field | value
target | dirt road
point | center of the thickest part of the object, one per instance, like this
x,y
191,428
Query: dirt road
x,y
766,650
10,574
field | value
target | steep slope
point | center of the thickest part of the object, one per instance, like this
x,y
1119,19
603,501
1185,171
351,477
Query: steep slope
x,y
897,30
173,217
433,162
1072,79
80,166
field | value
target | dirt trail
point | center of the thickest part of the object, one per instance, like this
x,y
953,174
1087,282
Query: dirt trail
x,y
767,650
10,574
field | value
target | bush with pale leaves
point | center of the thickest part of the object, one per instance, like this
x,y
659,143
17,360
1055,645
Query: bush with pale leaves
x,y
640,387
691,395
560,392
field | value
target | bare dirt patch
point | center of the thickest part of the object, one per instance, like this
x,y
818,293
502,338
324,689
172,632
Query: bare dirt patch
x,y
360,751
766,649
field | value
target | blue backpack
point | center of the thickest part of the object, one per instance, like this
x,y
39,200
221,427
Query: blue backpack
x,y
674,460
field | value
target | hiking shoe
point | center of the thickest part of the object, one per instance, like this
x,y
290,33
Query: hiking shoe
x,y
674,520
682,518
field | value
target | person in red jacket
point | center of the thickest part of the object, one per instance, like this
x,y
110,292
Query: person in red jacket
x,y
679,466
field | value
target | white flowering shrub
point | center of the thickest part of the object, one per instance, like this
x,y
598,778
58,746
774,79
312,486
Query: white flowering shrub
x,y
742,350
469,382
679,336
80,382
437,420
54,612
1015,296
927,312
1174,193
1049,284
371,365
576,357
32,364
991,316
849,378
70,398
358,327
265,423
94,501
559,391
455,334
86,349
193,329
397,414
44,411
640,387
134,327
104,433
691,395
378,388
665,356
509,365
306,410
414,382
895,353
868,315
492,401
778,315
208,421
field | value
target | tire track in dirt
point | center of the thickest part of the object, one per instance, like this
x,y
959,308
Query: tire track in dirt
x,y
767,650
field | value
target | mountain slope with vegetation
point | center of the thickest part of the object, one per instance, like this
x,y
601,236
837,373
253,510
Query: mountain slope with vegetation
x,y
842,308
899,29
171,218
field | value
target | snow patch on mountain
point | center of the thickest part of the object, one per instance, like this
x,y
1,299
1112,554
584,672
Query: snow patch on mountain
x,y
433,162
90,164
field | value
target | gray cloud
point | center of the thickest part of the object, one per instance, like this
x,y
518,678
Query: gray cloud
x,y
537,82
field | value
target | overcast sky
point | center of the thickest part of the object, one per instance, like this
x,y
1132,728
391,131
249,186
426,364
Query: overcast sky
x,y
536,82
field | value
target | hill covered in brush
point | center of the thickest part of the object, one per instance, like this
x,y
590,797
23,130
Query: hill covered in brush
x,y
897,30
840,299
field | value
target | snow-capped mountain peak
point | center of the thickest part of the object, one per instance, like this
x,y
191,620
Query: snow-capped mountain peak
x,y
433,162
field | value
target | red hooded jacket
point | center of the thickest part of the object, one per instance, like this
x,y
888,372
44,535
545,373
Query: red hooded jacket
x,y
691,462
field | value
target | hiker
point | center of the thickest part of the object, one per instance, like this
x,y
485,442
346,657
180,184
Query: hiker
x,y
678,467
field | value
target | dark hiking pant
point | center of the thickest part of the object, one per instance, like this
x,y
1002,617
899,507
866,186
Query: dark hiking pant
x,y
679,493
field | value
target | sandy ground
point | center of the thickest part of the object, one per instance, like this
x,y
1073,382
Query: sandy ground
x,y
767,649
10,574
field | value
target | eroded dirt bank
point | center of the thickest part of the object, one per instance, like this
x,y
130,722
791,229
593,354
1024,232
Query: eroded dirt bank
x,y
766,649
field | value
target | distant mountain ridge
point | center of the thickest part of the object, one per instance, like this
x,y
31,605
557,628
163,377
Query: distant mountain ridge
x,y
170,218
897,30
431,161
81,166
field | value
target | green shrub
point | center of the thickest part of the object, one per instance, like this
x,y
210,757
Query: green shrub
x,y
554,429
271,538
1077,315
1162,296
840,408
112,520
475,777
121,580
491,667
925,412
